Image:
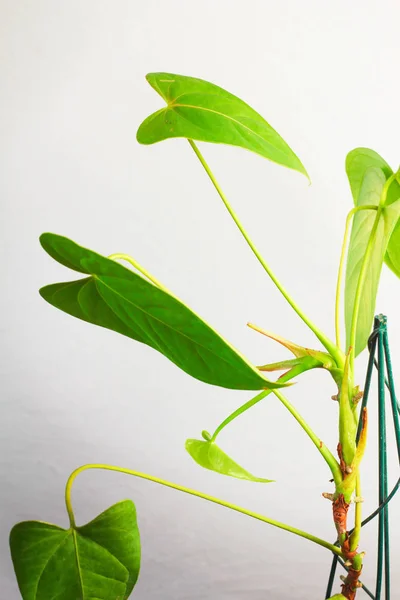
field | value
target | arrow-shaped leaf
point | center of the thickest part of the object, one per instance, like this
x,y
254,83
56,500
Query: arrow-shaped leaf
x,y
208,455
117,298
100,560
199,110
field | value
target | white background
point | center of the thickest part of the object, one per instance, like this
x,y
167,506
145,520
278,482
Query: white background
x,y
325,75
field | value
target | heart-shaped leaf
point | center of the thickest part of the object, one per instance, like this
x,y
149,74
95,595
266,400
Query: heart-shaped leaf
x,y
199,110
369,192
100,560
357,162
117,298
208,455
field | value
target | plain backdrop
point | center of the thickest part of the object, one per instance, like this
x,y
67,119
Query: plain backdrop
x,y
73,92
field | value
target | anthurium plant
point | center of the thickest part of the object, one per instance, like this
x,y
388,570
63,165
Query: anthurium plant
x,y
102,558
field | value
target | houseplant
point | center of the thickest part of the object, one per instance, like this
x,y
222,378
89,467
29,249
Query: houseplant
x,y
102,559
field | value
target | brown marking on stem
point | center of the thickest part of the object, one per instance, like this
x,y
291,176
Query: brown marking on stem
x,y
351,584
348,554
340,509
357,395
341,459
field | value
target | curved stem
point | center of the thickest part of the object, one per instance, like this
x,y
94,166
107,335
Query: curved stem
x,y
324,451
283,379
341,266
239,411
327,343
141,270
180,488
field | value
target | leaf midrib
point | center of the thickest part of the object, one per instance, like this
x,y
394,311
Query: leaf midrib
x,y
149,315
172,106
75,534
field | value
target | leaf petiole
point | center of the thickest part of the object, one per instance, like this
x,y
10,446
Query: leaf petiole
x,y
180,488
327,343
324,451
250,403
141,270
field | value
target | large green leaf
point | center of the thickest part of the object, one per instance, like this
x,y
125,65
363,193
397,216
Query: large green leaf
x,y
99,561
357,162
117,298
199,110
208,455
368,192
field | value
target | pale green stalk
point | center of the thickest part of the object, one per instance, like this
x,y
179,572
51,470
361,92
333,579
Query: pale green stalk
x,y
282,379
180,488
141,269
327,343
239,411
341,266
324,451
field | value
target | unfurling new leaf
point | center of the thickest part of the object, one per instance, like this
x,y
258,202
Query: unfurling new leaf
x,y
357,163
117,298
199,110
99,560
367,184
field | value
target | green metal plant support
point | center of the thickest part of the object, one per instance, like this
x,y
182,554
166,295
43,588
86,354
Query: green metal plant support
x,y
378,344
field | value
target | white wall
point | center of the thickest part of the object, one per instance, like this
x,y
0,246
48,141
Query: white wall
x,y
325,74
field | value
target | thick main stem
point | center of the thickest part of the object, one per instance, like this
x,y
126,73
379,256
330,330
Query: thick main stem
x,y
181,488
327,343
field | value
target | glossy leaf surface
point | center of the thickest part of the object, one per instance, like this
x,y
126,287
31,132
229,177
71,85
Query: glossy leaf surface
x,y
199,110
210,456
357,162
100,560
369,192
117,298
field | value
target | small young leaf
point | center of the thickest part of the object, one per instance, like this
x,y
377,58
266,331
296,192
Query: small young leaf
x,y
199,110
369,192
357,162
210,456
117,298
99,560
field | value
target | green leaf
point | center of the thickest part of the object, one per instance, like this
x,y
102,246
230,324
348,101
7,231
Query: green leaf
x,y
369,192
99,561
337,597
357,162
119,299
199,110
208,455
